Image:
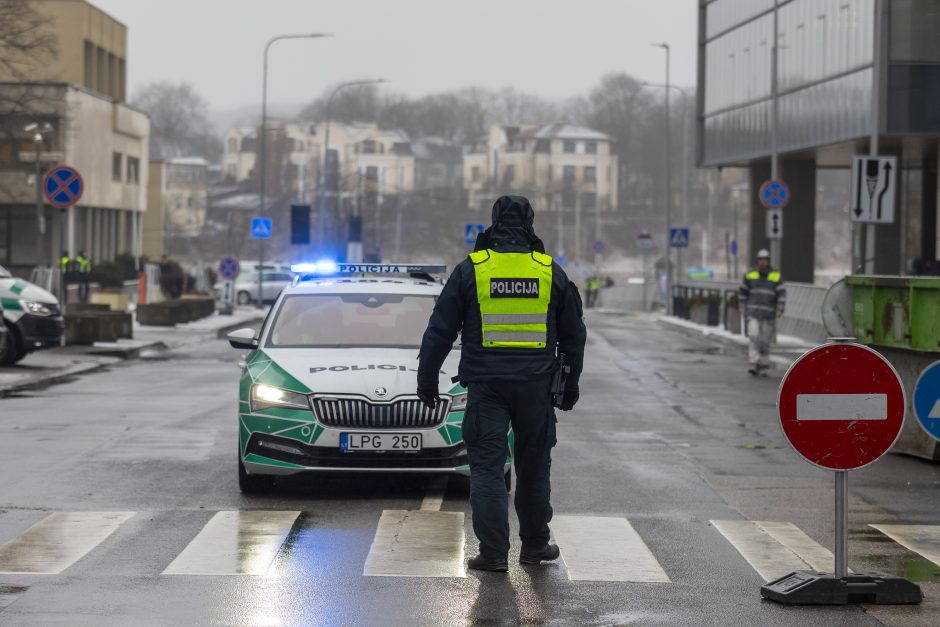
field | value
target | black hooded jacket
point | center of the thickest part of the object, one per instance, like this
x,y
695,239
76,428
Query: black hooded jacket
x,y
458,311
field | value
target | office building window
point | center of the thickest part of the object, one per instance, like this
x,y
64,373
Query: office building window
x,y
232,145
475,174
590,148
567,174
590,174
117,166
509,174
133,167
569,147
89,65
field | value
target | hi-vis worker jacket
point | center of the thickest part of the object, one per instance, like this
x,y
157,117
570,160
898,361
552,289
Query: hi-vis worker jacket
x,y
512,308
762,294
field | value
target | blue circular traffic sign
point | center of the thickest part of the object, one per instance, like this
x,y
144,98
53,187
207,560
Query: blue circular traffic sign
x,y
229,268
63,186
774,194
927,400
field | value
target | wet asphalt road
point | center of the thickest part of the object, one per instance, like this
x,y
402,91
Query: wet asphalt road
x,y
670,434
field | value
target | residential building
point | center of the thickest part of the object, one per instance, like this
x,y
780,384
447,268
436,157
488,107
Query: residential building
x,y
178,194
238,156
848,72
75,99
558,166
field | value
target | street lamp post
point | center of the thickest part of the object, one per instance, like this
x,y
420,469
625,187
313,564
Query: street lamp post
x,y
668,175
264,145
322,192
685,161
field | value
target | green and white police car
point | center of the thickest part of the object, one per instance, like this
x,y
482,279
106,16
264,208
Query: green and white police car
x,y
32,318
328,385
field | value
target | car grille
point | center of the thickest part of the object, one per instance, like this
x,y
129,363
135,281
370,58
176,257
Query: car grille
x,y
359,412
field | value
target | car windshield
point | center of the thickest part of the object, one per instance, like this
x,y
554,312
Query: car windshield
x,y
4,273
344,320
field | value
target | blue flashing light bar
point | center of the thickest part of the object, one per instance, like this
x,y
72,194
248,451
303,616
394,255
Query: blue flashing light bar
x,y
331,268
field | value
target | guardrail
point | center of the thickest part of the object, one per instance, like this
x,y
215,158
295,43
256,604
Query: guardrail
x,y
715,303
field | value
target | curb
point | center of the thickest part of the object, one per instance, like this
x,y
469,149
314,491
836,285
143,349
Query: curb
x,y
43,382
740,345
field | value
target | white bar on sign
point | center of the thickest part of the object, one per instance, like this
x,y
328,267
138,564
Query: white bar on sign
x,y
841,406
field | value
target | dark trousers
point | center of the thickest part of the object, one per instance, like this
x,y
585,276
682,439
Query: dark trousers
x,y
491,408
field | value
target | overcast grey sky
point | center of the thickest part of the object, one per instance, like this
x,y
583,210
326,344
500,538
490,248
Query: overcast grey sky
x,y
555,48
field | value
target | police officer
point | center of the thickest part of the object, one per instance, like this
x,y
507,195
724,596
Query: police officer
x,y
515,308
83,268
762,298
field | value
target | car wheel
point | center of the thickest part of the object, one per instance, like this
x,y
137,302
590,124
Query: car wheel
x,y
253,484
10,352
508,479
243,298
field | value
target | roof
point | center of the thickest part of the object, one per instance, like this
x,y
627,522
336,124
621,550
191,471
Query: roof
x,y
368,284
188,161
561,130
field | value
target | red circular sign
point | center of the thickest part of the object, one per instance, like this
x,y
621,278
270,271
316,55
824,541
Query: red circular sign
x,y
841,406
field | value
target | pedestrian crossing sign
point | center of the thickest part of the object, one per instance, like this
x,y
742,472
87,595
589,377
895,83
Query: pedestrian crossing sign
x,y
678,238
261,228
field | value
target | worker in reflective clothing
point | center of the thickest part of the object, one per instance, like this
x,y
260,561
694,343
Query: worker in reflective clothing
x,y
516,311
762,298
83,268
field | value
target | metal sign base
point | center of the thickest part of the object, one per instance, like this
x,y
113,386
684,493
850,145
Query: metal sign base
x,y
812,588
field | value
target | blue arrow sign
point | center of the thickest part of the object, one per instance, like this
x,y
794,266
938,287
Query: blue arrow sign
x,y
927,400
261,228
470,233
679,238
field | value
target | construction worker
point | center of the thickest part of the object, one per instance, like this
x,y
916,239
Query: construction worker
x,y
516,311
593,289
762,298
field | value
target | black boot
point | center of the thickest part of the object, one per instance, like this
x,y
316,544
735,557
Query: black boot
x,y
493,564
547,553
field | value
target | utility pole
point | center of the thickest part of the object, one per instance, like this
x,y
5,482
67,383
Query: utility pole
x,y
264,147
776,243
668,184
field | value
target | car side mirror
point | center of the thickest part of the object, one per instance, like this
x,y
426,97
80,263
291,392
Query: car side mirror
x,y
243,338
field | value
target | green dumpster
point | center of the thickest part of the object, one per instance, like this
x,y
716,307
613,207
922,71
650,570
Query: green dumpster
x,y
897,311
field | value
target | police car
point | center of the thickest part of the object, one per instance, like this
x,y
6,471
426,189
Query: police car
x,y
32,318
329,383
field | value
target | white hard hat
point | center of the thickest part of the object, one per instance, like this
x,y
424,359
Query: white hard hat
x,y
763,253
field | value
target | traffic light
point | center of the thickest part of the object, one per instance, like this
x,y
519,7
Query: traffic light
x,y
300,224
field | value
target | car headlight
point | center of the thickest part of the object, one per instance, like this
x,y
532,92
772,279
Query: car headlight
x,y
36,308
459,402
264,396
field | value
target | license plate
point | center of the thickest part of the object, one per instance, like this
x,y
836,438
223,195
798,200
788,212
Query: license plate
x,y
403,442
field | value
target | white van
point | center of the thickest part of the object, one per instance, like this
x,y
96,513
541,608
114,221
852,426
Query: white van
x,y
32,317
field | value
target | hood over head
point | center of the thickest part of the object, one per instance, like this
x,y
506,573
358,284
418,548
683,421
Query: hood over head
x,y
512,227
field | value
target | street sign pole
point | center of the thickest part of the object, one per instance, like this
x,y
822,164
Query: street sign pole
x,y
841,407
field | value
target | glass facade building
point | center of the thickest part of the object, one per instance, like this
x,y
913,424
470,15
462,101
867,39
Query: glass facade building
x,y
838,64
825,53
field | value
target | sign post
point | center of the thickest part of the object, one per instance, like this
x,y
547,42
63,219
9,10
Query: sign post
x,y
470,232
63,186
775,196
261,230
841,407
644,241
228,270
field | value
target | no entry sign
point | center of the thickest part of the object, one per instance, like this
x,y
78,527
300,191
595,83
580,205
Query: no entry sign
x,y
841,406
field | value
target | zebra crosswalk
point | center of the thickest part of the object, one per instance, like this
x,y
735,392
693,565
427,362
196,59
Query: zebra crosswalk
x,y
427,543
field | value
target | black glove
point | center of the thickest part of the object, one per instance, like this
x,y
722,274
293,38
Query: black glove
x,y
429,396
571,397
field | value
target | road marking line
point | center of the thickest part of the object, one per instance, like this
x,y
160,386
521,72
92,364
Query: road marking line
x,y
58,541
841,406
235,543
434,495
596,548
922,539
775,549
420,543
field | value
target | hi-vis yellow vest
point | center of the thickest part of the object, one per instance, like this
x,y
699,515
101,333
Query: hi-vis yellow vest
x,y
774,277
514,290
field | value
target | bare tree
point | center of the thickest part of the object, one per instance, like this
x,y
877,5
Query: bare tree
x,y
25,40
179,125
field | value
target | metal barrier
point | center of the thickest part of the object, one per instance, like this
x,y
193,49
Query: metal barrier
x,y
715,303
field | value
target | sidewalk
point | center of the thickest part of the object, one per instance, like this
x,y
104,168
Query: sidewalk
x,y
784,352
48,367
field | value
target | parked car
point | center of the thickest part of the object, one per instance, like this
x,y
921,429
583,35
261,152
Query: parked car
x,y
32,318
246,286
